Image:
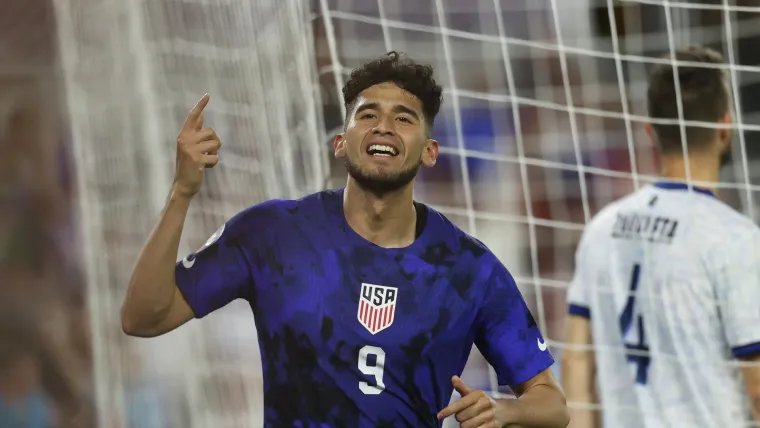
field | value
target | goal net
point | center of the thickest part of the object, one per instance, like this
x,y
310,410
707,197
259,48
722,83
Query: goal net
x,y
132,72
541,127
542,123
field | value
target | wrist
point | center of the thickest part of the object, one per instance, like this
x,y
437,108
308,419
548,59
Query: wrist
x,y
508,411
180,193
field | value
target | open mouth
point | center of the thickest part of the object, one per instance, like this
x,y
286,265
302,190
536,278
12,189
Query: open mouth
x,y
381,150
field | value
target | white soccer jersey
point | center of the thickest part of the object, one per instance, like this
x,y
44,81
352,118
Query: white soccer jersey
x,y
670,279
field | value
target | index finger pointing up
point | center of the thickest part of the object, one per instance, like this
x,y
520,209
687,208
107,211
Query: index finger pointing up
x,y
195,117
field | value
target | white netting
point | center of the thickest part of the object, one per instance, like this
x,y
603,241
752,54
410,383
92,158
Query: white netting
x,y
132,72
542,123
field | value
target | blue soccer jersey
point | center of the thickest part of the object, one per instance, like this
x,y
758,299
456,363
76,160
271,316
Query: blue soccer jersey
x,y
355,335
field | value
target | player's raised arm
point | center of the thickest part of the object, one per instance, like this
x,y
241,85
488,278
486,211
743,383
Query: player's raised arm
x,y
153,304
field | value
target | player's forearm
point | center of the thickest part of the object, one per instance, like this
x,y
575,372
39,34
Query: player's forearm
x,y
578,384
152,285
580,397
582,416
541,406
754,403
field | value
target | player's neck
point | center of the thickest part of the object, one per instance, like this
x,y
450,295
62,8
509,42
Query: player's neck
x,y
703,169
388,221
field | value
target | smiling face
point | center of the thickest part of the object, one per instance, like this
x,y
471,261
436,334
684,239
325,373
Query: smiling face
x,y
386,139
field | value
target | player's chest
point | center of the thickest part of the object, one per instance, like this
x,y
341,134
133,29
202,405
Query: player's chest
x,y
371,296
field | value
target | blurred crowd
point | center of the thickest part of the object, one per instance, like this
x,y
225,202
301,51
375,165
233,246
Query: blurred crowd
x,y
45,359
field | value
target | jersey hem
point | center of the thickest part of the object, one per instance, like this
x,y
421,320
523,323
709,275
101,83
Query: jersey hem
x,y
746,350
579,310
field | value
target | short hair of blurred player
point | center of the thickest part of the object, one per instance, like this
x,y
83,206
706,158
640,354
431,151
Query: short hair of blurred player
x,y
704,98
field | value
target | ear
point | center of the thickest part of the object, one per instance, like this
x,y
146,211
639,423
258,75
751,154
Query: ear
x,y
725,135
339,145
430,153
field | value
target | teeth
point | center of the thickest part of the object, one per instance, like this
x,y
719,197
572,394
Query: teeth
x,y
383,150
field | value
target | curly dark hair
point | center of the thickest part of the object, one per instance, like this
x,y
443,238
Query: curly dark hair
x,y
395,67
704,98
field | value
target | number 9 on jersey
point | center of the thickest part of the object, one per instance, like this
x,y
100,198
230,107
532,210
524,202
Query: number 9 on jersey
x,y
375,370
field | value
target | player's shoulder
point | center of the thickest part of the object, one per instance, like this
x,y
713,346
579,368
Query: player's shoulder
x,y
733,231
729,237
717,211
472,259
460,242
714,223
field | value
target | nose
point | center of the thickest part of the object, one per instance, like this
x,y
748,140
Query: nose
x,y
384,126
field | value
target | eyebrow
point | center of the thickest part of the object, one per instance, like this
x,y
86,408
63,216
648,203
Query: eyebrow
x,y
398,108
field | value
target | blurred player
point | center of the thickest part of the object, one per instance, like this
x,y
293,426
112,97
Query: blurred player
x,y
366,303
667,281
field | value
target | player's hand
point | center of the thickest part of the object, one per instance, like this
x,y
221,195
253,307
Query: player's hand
x,y
197,149
474,410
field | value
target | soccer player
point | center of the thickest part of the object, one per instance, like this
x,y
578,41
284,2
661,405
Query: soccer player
x,y
366,302
667,279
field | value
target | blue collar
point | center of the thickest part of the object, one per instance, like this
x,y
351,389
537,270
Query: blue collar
x,y
682,186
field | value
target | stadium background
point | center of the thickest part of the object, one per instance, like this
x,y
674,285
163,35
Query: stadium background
x,y
538,132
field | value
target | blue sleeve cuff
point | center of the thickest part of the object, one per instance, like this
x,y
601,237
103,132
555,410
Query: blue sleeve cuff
x,y
543,361
186,285
746,350
581,311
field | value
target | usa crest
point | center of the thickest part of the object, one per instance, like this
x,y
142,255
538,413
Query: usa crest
x,y
377,307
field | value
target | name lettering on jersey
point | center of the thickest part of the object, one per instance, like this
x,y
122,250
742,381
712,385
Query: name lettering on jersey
x,y
643,227
377,307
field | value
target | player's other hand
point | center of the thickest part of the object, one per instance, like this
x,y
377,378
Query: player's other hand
x,y
197,149
474,410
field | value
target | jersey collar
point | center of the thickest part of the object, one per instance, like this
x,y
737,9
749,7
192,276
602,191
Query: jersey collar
x,y
670,185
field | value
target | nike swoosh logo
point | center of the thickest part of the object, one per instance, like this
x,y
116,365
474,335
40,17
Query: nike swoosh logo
x,y
187,262
541,345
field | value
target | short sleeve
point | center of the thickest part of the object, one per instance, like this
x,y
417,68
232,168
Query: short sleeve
x,y
578,299
218,272
507,334
738,292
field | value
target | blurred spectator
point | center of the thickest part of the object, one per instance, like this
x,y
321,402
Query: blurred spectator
x,y
23,402
45,363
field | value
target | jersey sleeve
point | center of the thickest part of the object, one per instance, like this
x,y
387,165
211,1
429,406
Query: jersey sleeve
x,y
738,293
219,272
507,334
578,299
